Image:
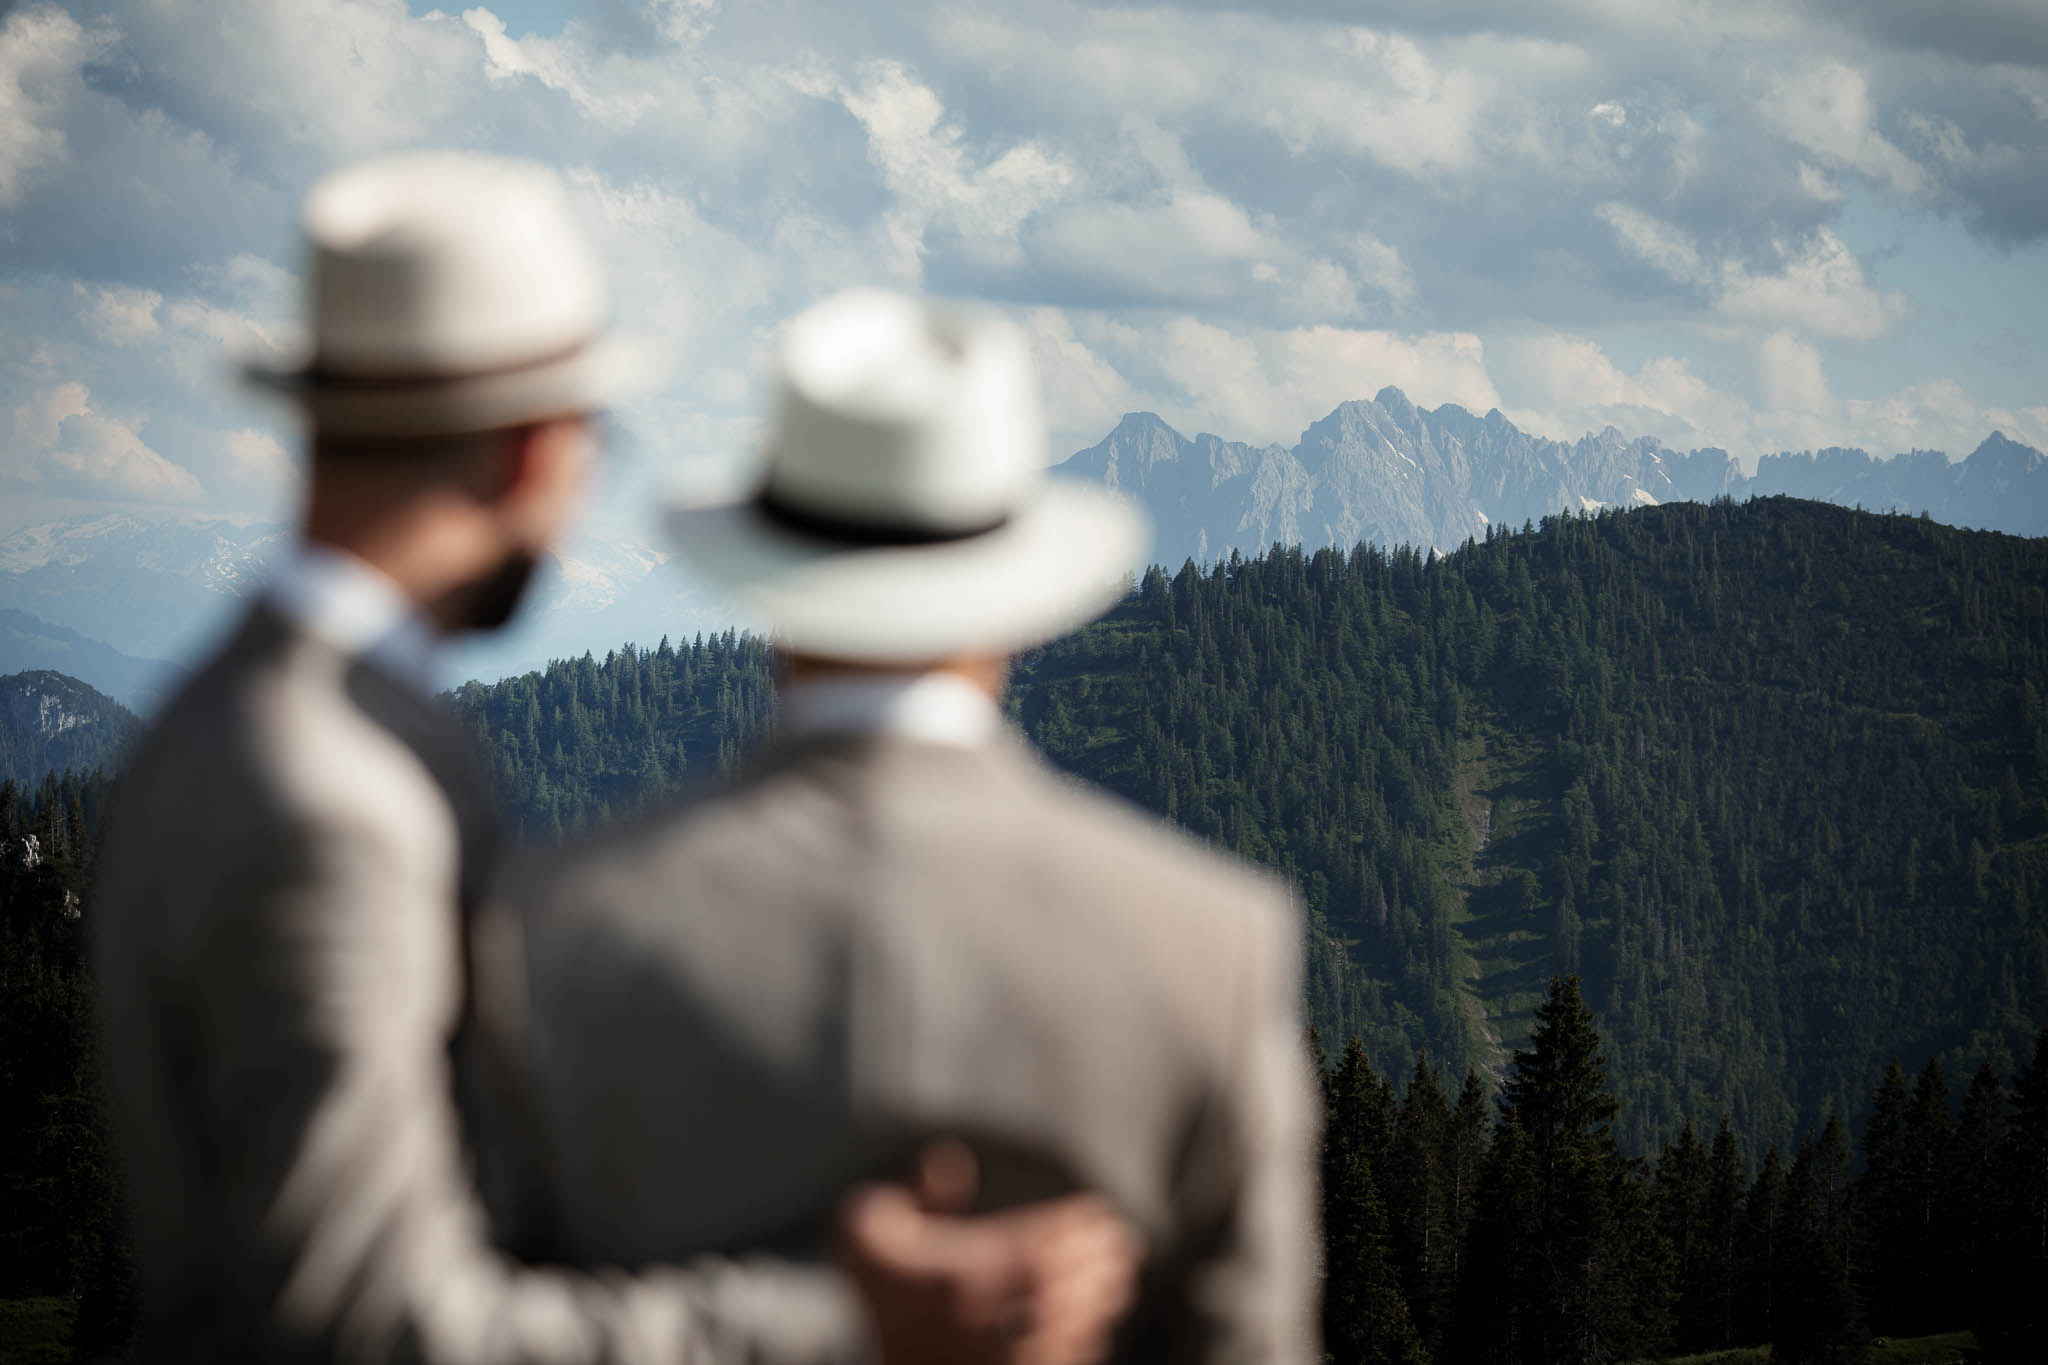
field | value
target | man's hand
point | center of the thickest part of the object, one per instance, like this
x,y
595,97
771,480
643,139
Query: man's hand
x,y
1042,1285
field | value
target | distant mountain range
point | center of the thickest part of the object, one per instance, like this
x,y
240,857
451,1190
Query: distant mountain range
x,y
50,722
145,588
1389,472
105,597
108,598
29,643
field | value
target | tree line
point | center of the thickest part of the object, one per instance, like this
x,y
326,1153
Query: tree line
x,y
1515,1230
62,1232
1770,778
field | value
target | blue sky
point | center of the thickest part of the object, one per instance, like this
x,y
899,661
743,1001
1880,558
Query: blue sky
x,y
1754,225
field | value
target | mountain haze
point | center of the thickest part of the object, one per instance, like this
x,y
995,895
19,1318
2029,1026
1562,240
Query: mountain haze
x,y
88,595
29,644
1386,472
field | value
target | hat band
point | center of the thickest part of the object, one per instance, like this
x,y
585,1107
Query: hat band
x,y
845,531
326,376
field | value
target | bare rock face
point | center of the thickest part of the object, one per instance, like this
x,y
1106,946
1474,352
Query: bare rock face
x,y
51,722
21,855
1389,472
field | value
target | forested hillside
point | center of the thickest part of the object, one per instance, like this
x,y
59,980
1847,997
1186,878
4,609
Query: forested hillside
x,y
1770,777
63,1248
50,722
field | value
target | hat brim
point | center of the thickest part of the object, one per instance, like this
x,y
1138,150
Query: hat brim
x,y
1054,565
599,375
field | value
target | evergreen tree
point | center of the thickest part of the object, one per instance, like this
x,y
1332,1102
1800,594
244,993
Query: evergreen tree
x,y
1684,1213
1887,1223
1365,1318
1923,1278
1714,1300
1419,1201
1978,1207
1596,1287
1764,1255
1500,1316
2013,1314
1815,1316
1463,1166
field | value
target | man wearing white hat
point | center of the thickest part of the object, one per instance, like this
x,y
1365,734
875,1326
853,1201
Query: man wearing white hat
x,y
279,928
899,923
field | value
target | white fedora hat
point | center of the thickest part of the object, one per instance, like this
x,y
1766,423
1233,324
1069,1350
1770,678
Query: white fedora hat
x,y
450,293
904,513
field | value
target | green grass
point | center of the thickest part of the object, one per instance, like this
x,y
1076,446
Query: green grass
x,y
1936,1350
1507,955
1944,1349
36,1331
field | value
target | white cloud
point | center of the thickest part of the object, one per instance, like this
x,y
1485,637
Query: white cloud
x,y
1657,242
1314,208
1790,377
332,77
1385,98
1815,182
1821,289
1381,266
1354,90
1565,385
673,272
119,316
254,461
927,166
1268,385
262,286
1939,414
1084,393
560,65
40,47
1827,110
62,445
223,333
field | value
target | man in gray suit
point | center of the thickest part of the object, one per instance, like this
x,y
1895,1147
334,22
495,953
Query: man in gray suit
x,y
899,923
280,924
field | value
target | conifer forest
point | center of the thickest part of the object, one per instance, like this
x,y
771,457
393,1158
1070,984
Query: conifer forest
x,y
1674,889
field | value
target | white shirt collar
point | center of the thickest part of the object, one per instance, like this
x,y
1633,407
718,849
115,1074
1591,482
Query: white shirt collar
x,y
935,708
338,598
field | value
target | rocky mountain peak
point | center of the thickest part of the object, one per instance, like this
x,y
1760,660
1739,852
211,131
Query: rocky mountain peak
x,y
1387,471
50,720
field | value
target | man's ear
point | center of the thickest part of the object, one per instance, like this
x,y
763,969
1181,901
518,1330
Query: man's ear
x,y
514,464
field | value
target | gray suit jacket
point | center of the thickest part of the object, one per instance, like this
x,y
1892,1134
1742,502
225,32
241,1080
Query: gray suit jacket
x,y
277,935
869,942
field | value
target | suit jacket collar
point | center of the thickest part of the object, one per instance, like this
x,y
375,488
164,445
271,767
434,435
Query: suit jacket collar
x,y
336,597
935,707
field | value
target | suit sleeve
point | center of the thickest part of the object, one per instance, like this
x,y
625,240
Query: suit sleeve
x,y
327,1084
1253,1287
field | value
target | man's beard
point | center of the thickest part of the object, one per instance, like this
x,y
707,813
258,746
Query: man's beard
x,y
488,603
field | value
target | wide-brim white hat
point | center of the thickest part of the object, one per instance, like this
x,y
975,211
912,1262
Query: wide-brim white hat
x,y
903,512
451,293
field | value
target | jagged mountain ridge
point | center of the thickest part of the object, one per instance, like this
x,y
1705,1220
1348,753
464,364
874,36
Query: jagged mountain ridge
x,y
1386,471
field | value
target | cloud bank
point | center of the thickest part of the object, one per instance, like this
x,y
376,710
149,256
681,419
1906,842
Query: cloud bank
x,y
1751,225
